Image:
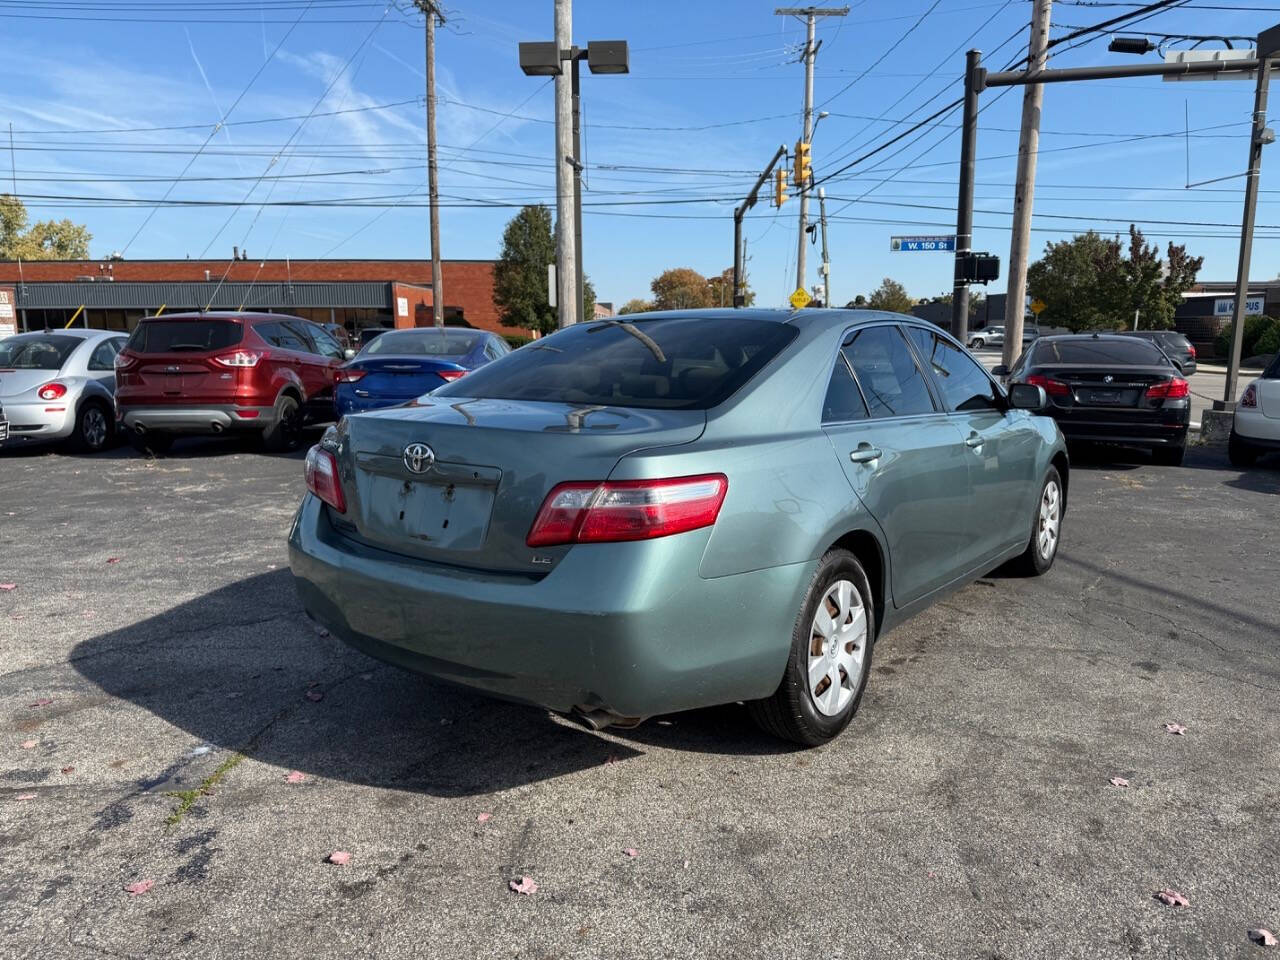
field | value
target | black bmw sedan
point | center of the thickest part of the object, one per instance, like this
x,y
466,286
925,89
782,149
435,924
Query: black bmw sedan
x,y
1113,389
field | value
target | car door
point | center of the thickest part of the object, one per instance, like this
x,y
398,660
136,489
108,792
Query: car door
x,y
1002,444
903,457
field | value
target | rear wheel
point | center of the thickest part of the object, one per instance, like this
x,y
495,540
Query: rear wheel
x,y
1046,529
285,433
94,427
1169,456
978,343
151,443
1240,453
830,656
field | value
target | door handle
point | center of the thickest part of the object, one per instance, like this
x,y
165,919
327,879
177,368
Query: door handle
x,y
865,453
973,440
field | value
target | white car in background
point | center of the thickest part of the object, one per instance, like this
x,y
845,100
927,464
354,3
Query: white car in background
x,y
59,385
1256,427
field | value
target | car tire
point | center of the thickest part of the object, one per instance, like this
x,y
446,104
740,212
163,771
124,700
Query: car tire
x,y
978,343
151,444
1046,528
837,645
1240,453
1169,456
285,433
95,427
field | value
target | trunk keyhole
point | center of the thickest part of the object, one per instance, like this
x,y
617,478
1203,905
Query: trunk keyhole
x,y
401,514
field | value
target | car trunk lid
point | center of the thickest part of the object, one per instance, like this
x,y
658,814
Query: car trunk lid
x,y
404,377
14,382
469,494
1108,387
1269,396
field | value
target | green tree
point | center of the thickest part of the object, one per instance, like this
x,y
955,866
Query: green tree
x,y
857,303
1092,282
520,276
634,305
721,290
680,289
44,240
891,296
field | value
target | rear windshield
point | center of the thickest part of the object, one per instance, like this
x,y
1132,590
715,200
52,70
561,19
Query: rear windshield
x,y
1272,372
422,343
682,363
48,352
1128,350
181,336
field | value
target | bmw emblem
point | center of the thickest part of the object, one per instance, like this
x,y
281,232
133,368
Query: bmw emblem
x,y
1108,378
418,457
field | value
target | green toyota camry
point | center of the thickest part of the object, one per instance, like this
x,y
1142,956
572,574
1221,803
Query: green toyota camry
x,y
672,510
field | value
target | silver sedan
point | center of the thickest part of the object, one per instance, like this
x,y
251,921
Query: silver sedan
x,y
59,385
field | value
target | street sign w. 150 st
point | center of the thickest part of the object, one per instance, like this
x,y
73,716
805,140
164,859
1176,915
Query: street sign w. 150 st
x,y
916,244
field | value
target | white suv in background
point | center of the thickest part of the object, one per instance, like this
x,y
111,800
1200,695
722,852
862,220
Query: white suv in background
x,y
1256,428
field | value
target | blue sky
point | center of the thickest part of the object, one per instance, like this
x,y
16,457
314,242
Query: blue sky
x,y
714,89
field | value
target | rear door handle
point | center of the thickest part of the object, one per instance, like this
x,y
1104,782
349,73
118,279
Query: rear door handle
x,y
865,453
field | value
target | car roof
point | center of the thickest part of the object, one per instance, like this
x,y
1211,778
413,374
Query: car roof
x,y
80,333
223,315
810,316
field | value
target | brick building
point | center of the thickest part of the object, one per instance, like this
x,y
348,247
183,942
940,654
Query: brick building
x,y
113,295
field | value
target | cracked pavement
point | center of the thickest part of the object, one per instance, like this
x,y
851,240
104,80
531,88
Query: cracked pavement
x,y
965,813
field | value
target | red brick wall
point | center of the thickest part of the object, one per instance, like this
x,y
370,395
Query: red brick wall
x,y
468,284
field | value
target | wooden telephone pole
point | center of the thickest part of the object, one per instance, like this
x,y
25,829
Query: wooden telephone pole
x,y
433,14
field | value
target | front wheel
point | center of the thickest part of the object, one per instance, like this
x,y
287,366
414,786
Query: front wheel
x,y
830,657
1239,452
1169,456
1046,528
978,343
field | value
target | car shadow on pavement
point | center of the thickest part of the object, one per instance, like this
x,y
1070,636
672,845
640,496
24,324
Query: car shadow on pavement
x,y
242,669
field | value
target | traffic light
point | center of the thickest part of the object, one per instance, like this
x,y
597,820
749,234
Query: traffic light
x,y
780,186
804,169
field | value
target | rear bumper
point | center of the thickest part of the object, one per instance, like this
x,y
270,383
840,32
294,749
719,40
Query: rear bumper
x,y
41,420
203,418
1161,428
1259,429
627,627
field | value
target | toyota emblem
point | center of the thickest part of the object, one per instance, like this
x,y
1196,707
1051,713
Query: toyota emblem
x,y
418,457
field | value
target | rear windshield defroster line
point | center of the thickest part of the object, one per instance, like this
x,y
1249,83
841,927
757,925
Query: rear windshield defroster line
x,y
674,363
197,335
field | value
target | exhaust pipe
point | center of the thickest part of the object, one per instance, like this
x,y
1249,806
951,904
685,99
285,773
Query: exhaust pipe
x,y
598,719
217,427
139,428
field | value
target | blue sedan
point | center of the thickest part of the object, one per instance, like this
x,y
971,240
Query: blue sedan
x,y
403,364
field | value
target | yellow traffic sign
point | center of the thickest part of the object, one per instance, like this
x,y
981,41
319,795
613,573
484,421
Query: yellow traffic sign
x,y
1037,305
799,299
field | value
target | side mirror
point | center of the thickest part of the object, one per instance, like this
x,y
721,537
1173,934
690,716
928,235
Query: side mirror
x,y
1026,396
349,353
1000,370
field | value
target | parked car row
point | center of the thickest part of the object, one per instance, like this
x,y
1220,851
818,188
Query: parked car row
x,y
211,373
993,336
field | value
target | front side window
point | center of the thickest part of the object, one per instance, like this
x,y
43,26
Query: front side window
x,y
887,373
326,345
964,384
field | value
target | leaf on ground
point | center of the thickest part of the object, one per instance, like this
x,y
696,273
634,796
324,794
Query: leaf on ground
x,y
611,758
631,852
1263,937
199,751
340,857
68,769
295,776
30,744
113,559
25,796
42,702
139,888
315,696
1119,782
1172,898
484,817
1176,729
526,886
8,586
321,631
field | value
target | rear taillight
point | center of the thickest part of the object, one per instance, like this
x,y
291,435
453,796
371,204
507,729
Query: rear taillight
x,y
1175,389
349,375
52,391
1250,398
1054,388
449,375
1191,351
239,358
124,361
322,478
627,510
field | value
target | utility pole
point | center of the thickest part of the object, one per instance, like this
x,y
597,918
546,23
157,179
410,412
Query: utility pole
x,y
810,54
1025,185
432,14
826,263
566,212
964,208
1260,135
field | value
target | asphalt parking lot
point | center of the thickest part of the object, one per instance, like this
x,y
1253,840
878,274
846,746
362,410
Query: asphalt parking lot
x,y
159,684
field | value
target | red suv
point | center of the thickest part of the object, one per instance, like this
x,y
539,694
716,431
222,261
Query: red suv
x,y
202,373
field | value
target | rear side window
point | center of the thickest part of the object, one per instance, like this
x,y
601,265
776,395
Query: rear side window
x,y
681,363
887,373
844,401
186,335
47,352
1132,351
279,335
